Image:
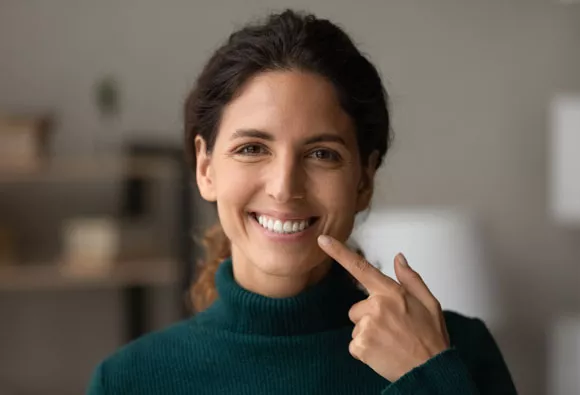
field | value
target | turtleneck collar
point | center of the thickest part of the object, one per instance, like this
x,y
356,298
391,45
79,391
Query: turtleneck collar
x,y
320,307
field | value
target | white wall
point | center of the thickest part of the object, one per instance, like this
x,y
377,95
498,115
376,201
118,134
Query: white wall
x,y
470,84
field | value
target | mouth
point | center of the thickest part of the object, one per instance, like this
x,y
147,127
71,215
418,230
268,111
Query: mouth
x,y
283,227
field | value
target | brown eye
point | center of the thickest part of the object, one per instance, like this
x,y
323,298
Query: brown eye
x,y
325,154
251,150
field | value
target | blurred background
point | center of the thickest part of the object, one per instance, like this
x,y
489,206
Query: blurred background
x,y
97,206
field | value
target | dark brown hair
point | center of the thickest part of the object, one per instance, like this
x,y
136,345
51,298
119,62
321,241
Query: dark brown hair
x,y
284,41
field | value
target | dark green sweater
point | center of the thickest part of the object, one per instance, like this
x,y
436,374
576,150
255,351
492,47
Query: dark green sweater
x,y
246,343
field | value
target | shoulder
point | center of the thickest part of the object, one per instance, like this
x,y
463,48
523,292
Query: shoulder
x,y
146,357
465,332
463,328
456,320
473,340
155,344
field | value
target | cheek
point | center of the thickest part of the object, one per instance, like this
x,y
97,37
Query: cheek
x,y
234,182
234,189
337,193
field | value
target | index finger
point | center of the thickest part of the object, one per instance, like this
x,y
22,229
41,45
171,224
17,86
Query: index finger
x,y
365,273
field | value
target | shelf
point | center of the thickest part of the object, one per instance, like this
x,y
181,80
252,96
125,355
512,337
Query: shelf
x,y
93,169
51,276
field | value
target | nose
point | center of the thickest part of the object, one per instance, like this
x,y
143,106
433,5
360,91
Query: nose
x,y
286,179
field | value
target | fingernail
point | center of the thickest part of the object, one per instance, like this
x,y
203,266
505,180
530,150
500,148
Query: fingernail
x,y
402,260
324,240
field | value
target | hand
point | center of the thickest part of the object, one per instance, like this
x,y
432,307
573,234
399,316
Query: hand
x,y
400,325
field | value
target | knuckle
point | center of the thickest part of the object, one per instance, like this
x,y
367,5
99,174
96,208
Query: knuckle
x,y
361,264
401,302
352,315
365,323
354,349
415,275
356,311
376,305
359,347
363,342
435,306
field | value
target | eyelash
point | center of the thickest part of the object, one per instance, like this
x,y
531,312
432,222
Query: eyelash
x,y
240,151
334,156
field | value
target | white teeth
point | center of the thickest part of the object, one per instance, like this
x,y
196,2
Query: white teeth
x,y
295,227
278,226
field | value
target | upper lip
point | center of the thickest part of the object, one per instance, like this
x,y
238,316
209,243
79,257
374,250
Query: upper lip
x,y
286,216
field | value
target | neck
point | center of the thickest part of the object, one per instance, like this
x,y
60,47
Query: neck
x,y
319,308
273,284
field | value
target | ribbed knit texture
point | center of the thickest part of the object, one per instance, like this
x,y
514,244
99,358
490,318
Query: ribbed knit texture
x,y
246,343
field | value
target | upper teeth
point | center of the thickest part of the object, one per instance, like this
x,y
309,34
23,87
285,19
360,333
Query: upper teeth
x,y
278,226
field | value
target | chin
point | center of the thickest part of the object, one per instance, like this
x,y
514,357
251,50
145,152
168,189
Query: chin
x,y
284,263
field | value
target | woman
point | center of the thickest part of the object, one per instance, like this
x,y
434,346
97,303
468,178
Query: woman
x,y
287,124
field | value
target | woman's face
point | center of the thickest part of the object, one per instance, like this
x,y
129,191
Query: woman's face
x,y
285,168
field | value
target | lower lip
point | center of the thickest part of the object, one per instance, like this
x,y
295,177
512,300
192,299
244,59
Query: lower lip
x,y
289,237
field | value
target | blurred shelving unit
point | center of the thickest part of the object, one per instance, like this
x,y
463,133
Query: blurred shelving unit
x,y
135,277
71,169
53,276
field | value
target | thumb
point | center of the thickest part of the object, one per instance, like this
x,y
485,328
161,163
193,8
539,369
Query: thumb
x,y
412,281
402,269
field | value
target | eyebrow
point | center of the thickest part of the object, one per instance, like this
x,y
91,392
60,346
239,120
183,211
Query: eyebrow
x,y
255,133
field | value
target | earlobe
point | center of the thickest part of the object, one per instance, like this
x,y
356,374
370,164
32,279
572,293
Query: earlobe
x,y
203,170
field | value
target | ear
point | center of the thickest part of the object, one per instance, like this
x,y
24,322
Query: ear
x,y
204,170
367,183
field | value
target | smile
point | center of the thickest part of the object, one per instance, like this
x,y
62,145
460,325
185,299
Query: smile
x,y
276,225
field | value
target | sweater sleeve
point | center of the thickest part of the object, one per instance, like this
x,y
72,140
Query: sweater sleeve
x,y
481,370
96,386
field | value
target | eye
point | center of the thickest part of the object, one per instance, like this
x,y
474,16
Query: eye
x,y
251,150
325,154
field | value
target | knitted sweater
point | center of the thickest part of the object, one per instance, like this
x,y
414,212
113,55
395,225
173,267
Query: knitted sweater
x,y
246,343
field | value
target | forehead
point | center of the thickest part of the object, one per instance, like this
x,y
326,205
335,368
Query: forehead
x,y
287,103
